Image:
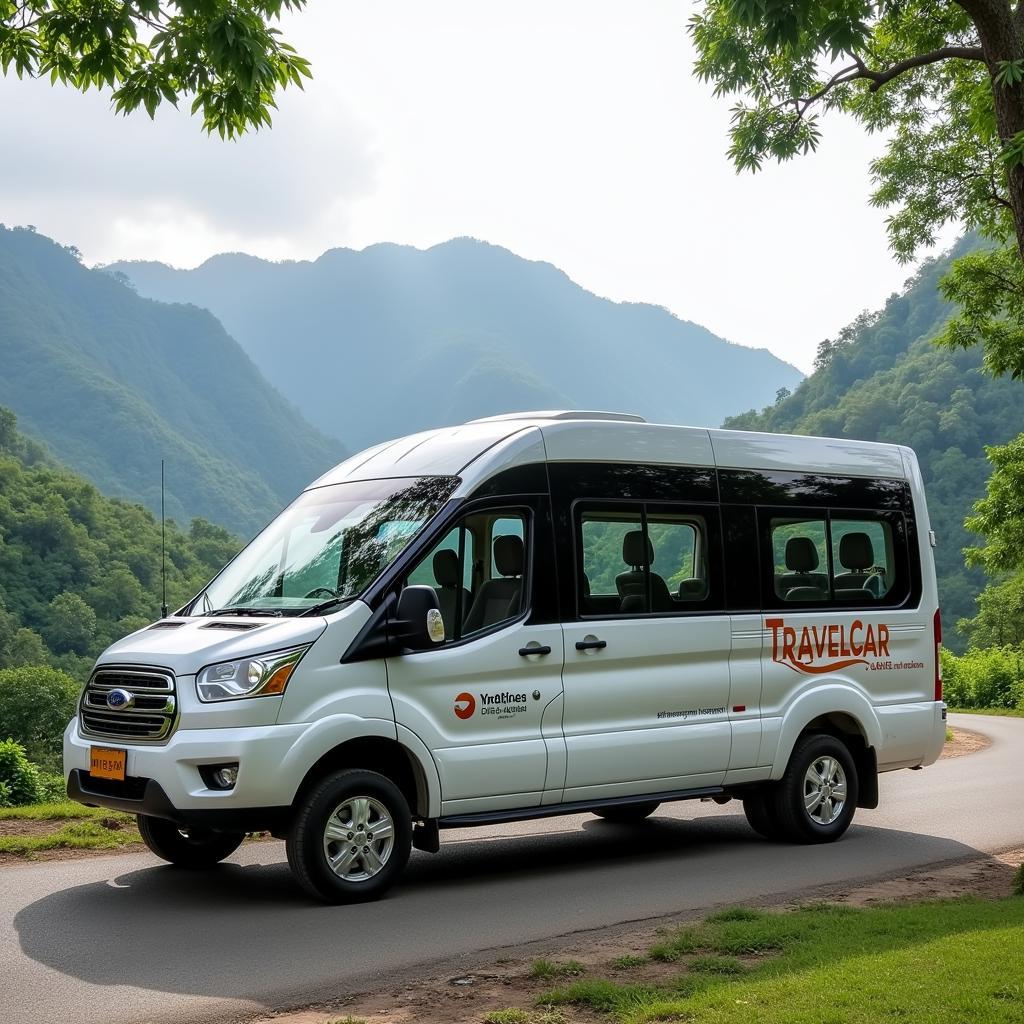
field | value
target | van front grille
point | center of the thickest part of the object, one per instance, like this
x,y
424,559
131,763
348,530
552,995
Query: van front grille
x,y
147,709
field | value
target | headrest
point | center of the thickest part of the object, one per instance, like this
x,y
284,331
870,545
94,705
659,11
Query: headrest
x,y
692,587
446,568
586,585
855,552
633,551
508,555
801,554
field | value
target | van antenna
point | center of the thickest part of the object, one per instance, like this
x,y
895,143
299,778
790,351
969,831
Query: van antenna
x,y
163,549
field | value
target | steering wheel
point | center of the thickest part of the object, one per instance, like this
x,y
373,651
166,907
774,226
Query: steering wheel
x,y
325,591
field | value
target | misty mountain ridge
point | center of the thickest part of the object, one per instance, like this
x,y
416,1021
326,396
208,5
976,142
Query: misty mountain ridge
x,y
391,339
112,383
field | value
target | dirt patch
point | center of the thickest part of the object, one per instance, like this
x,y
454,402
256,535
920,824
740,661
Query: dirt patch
x,y
964,741
464,991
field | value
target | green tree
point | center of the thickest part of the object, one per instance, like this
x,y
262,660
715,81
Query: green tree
x,y
944,81
35,706
1000,618
998,516
71,623
224,54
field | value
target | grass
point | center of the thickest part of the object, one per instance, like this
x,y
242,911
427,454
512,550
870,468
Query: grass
x,y
545,969
625,963
76,835
517,1016
930,963
1001,712
949,734
67,810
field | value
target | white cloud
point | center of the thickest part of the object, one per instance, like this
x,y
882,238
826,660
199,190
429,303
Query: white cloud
x,y
572,133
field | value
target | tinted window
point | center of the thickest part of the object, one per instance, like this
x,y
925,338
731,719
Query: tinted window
x,y
636,562
858,559
477,593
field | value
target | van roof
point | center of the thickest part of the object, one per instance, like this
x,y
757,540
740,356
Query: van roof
x,y
480,448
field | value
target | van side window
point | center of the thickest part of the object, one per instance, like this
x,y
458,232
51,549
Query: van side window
x,y
637,562
800,559
476,592
864,559
841,559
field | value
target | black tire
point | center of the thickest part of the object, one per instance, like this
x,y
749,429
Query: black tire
x,y
760,814
187,848
628,814
787,805
308,851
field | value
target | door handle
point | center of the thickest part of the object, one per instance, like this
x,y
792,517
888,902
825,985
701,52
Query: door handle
x,y
525,652
591,645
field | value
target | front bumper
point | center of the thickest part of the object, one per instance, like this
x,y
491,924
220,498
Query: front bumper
x,y
146,796
163,780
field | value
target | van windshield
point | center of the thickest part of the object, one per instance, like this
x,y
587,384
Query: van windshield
x,y
326,547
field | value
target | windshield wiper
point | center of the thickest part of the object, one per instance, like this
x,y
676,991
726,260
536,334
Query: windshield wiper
x,y
318,609
271,612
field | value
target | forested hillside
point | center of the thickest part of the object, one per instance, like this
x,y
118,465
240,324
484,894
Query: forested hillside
x,y
882,379
113,383
389,340
78,570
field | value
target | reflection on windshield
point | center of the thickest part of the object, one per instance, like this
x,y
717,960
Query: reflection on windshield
x,y
328,545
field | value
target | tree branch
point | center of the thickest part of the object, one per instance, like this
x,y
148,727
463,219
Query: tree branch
x,y
879,78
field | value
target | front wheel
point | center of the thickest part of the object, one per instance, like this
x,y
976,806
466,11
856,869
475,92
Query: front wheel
x,y
815,800
351,837
187,847
627,814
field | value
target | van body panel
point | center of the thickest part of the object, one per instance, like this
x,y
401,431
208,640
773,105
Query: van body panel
x,y
474,707
643,443
651,705
738,449
745,684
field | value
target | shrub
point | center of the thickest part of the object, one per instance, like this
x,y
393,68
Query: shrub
x,y
991,677
53,789
19,778
36,704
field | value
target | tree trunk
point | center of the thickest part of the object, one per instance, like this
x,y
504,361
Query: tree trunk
x,y
1001,40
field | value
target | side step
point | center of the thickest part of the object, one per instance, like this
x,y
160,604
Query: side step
x,y
573,807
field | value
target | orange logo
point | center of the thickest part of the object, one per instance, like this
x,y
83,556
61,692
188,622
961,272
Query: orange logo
x,y
816,650
465,705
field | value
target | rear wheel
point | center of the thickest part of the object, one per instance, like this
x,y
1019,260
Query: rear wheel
x,y
351,837
814,802
187,847
628,813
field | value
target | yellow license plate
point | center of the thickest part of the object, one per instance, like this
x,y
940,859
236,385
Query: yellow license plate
x,y
105,763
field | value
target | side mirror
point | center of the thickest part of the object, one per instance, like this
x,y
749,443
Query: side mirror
x,y
418,624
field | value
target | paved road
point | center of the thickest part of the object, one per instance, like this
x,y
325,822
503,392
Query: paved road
x,y
124,940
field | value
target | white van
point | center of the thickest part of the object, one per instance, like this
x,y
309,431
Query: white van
x,y
532,615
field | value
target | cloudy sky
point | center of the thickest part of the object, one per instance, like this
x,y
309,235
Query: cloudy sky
x,y
571,132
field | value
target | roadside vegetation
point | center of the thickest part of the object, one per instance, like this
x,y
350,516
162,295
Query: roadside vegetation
x,y
898,961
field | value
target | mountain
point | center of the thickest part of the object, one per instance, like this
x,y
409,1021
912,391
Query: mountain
x,y
113,383
392,339
883,379
79,570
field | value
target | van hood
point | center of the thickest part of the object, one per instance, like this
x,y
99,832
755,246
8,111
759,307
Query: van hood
x,y
187,644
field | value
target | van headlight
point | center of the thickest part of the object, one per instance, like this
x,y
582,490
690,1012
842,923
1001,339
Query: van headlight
x,y
263,675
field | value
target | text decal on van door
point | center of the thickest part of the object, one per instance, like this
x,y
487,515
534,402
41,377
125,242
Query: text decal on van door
x,y
827,648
